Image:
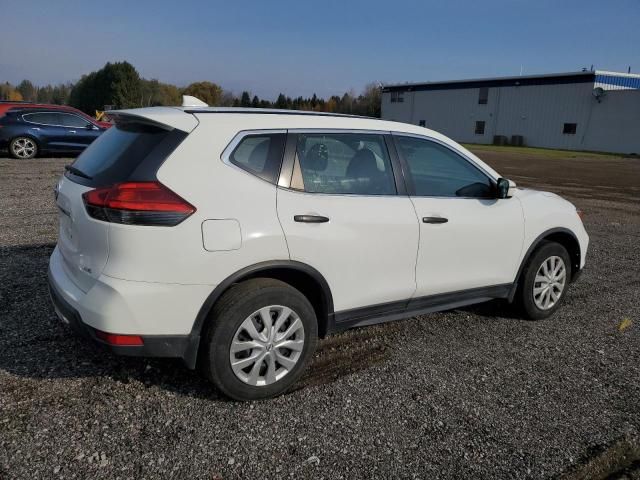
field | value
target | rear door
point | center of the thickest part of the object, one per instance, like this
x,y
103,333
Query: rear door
x,y
343,216
468,238
48,128
130,151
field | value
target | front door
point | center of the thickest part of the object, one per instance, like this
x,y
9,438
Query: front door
x,y
343,217
468,238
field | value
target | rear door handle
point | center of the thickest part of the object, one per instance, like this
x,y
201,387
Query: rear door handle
x,y
310,219
434,220
72,131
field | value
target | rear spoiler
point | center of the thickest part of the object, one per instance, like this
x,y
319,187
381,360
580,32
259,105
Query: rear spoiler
x,y
167,118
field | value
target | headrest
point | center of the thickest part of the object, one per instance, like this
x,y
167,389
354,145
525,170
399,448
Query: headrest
x,y
363,164
317,158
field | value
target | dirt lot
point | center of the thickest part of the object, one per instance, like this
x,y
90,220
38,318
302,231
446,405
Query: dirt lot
x,y
470,393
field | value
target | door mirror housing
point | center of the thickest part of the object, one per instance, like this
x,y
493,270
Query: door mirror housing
x,y
505,188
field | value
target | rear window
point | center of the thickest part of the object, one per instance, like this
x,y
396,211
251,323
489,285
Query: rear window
x,y
126,152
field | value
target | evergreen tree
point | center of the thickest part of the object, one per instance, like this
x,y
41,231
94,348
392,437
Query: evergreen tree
x,y
28,91
245,99
116,84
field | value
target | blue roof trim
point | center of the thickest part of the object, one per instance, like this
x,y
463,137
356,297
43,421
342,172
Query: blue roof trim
x,y
627,82
581,77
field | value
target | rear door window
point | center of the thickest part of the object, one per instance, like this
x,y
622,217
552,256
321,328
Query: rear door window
x,y
126,152
43,118
343,163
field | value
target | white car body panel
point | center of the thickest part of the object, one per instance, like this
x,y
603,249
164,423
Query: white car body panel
x,y
367,250
544,211
82,241
479,246
130,307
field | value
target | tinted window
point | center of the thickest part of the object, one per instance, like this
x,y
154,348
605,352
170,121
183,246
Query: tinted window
x,y
69,120
483,95
43,118
343,163
126,152
437,171
260,154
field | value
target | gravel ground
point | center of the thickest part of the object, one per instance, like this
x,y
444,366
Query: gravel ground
x,y
469,393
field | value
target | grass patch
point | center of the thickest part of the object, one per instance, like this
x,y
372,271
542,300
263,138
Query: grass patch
x,y
543,152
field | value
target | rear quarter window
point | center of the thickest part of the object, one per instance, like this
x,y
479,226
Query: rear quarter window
x,y
126,152
260,154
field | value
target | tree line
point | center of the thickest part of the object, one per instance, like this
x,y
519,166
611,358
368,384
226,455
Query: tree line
x,y
118,85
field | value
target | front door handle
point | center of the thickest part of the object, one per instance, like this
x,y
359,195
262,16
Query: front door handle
x,y
310,219
434,220
72,131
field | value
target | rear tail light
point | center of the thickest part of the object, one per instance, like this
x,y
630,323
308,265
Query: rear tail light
x,y
120,340
137,203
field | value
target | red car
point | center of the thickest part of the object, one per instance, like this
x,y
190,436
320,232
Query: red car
x,y
6,106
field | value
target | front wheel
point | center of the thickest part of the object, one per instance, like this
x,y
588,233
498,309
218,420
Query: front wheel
x,y
544,282
260,336
23,148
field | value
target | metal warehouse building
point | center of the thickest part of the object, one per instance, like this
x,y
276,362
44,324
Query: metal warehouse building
x,y
592,110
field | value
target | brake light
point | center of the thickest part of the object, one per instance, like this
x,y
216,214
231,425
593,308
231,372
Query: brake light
x,y
120,340
137,203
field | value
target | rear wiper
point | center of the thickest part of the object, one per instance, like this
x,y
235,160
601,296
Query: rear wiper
x,y
76,171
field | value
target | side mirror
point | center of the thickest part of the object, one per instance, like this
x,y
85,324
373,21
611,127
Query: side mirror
x,y
91,126
505,188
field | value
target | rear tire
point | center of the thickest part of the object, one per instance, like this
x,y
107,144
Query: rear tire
x,y
23,148
544,281
261,318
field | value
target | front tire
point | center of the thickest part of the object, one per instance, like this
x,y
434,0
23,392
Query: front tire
x,y
260,337
545,281
23,148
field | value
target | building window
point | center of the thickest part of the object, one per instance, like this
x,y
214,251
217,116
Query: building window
x,y
397,97
570,128
422,123
480,128
483,96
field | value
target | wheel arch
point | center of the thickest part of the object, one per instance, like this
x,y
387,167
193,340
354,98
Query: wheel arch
x,y
561,235
301,276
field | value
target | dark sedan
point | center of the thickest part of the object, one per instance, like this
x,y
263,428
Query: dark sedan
x,y
30,132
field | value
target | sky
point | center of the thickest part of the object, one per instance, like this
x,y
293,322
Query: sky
x,y
324,47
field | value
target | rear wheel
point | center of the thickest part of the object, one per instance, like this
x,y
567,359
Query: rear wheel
x,y
544,282
261,335
23,148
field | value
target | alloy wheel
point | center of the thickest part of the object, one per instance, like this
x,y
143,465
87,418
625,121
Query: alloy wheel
x,y
267,345
23,147
549,283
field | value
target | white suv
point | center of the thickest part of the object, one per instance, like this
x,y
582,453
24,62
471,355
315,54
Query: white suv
x,y
234,238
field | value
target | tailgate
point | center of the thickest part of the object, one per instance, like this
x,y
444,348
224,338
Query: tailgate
x,y
82,241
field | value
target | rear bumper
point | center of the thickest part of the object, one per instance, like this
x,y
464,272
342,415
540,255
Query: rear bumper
x,y
170,346
86,317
